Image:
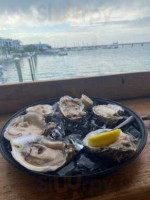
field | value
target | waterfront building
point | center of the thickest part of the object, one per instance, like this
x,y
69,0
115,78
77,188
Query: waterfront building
x,y
10,43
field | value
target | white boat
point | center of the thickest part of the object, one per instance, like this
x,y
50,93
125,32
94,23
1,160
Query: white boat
x,y
115,45
112,46
62,53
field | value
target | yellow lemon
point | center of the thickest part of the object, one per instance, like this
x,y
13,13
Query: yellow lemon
x,y
104,139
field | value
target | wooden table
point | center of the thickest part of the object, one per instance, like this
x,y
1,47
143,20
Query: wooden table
x,y
131,182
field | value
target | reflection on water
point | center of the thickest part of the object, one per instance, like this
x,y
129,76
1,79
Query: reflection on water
x,y
84,63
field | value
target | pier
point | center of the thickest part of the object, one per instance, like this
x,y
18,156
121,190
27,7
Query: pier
x,y
106,46
134,44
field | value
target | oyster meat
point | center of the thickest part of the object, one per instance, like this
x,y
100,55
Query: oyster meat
x,y
110,114
41,109
72,109
122,148
38,154
30,123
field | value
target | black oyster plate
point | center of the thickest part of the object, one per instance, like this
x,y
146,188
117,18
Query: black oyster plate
x,y
84,164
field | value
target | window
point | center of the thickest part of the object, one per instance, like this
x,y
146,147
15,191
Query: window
x,y
45,40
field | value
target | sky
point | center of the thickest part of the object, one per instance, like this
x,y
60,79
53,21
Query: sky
x,y
75,22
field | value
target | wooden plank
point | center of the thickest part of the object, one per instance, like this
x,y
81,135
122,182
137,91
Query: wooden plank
x,y
131,182
121,86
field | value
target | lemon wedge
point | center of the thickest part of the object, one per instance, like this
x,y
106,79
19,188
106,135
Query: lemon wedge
x,y
104,139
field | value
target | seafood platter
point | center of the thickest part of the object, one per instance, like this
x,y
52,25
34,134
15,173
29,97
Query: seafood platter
x,y
73,137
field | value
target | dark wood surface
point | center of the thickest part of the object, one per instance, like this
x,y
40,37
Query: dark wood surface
x,y
119,86
131,182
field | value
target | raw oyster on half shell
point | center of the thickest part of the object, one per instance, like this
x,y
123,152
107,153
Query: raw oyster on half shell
x,y
39,154
42,109
71,108
86,101
110,114
30,123
122,148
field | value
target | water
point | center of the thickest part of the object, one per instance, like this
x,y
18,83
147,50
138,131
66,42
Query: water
x,y
84,63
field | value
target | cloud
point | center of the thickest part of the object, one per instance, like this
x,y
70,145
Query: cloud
x,y
49,11
68,21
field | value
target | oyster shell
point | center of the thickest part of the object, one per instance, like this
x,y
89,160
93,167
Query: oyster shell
x,y
86,101
38,154
123,148
110,113
41,109
49,128
72,109
31,123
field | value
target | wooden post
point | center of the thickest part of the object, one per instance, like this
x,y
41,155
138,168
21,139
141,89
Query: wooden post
x,y
35,61
32,62
31,69
18,67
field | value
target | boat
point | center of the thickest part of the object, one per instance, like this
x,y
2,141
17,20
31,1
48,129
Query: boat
x,y
115,45
111,46
62,53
